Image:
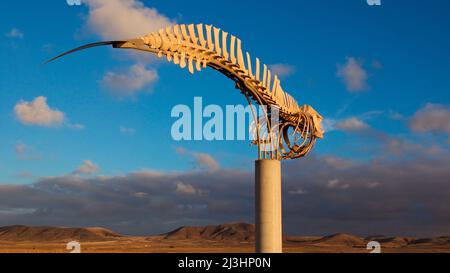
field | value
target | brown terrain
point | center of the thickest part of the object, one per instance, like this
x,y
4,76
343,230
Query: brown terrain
x,y
226,238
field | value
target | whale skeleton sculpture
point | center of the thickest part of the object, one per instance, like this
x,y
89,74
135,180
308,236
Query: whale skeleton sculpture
x,y
199,46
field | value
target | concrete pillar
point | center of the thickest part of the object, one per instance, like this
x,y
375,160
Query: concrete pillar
x,y
268,206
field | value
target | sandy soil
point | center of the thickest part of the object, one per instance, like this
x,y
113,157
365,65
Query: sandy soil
x,y
160,245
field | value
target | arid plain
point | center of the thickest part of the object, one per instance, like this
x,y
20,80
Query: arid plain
x,y
227,238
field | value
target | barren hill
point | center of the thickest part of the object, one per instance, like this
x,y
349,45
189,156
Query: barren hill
x,y
341,239
432,241
229,235
46,234
232,232
397,240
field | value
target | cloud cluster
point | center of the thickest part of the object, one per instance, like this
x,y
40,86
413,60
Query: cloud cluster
x,y
88,167
206,161
353,75
351,124
282,70
130,82
321,196
432,118
186,189
124,19
203,161
37,112
142,202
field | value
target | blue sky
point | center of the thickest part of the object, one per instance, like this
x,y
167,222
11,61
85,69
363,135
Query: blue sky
x,y
375,73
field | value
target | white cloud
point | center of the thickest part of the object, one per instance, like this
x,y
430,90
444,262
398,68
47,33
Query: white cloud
x,y
123,19
130,82
403,147
15,33
88,167
186,189
141,194
127,131
351,124
432,118
333,183
152,197
203,160
339,163
282,70
38,113
206,161
353,75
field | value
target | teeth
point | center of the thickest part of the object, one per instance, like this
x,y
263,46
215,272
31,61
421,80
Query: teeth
x,y
279,97
264,81
217,41
165,41
258,68
151,41
192,34
275,82
232,49
176,30
240,55
146,40
209,37
284,97
157,39
224,45
172,38
183,60
169,31
280,94
191,64
285,103
176,59
249,65
183,45
200,35
184,33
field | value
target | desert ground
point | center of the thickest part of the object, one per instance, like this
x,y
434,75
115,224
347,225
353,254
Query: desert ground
x,y
227,238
